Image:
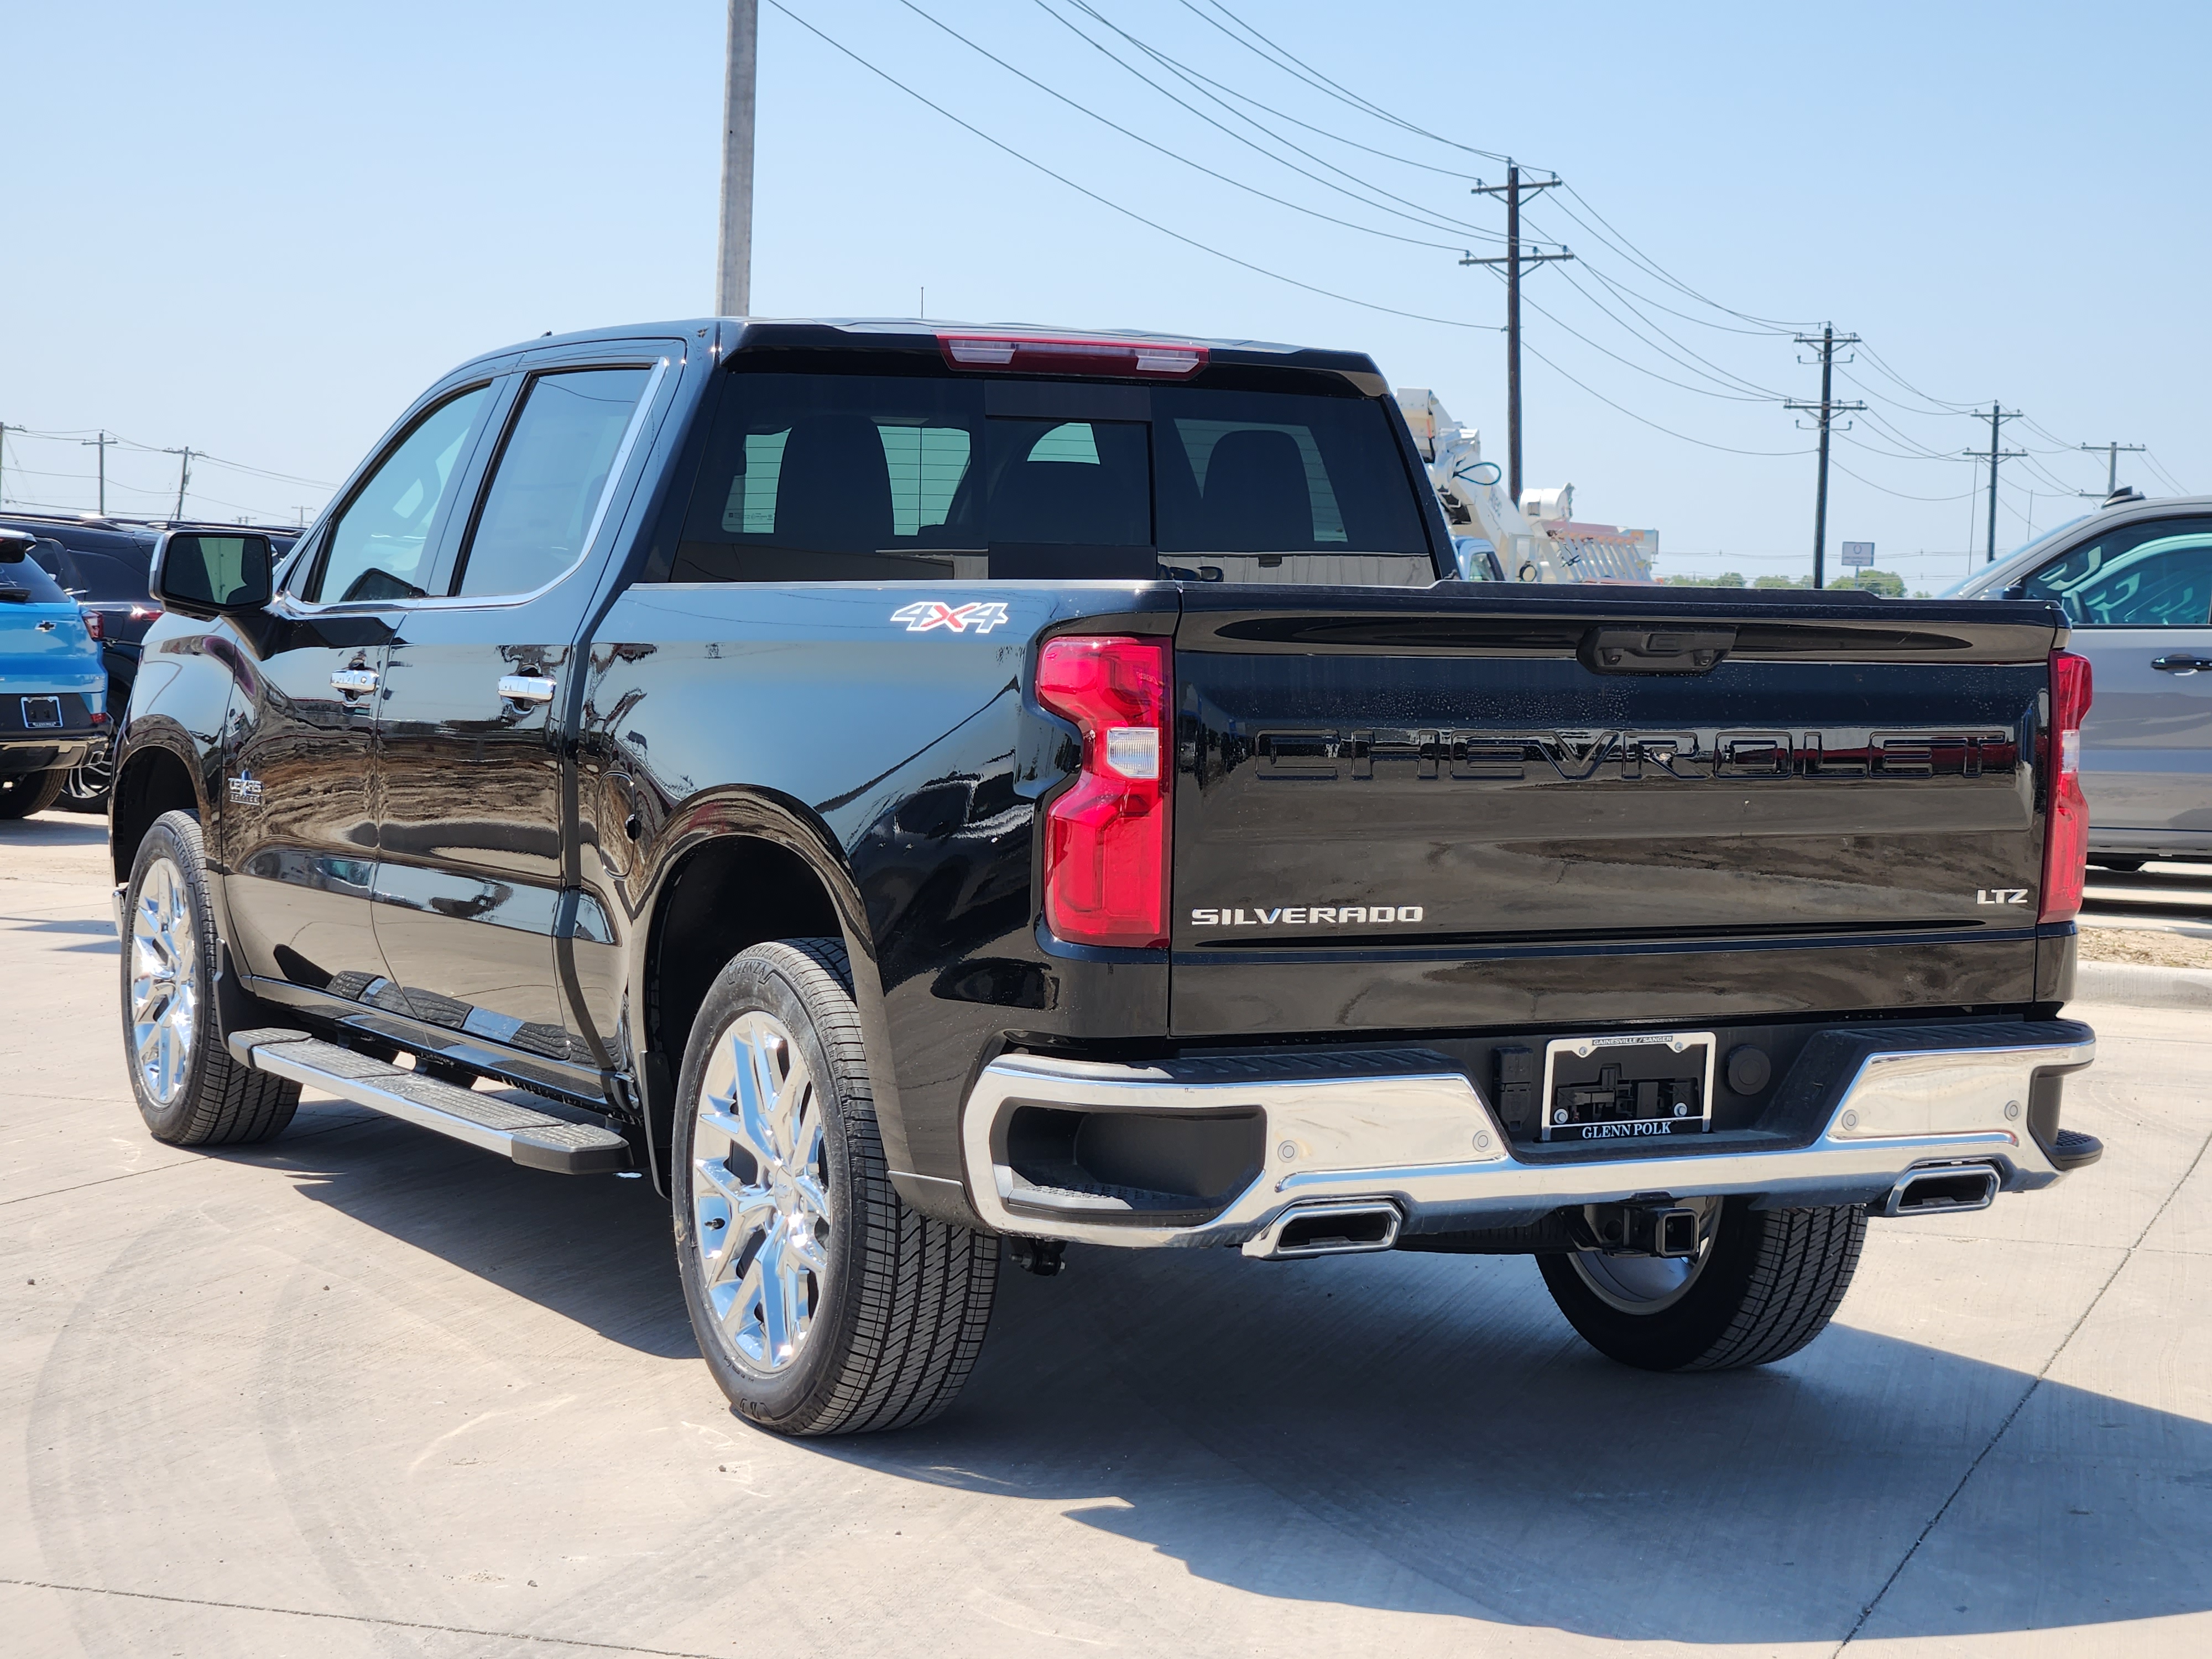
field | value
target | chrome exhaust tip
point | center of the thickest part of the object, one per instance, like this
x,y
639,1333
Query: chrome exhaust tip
x,y
1347,1227
1951,1187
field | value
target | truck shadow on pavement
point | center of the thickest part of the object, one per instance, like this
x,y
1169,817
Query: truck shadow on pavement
x,y
1425,1434
589,1248
55,830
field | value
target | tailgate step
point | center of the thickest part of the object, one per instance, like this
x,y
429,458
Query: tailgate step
x,y
535,1140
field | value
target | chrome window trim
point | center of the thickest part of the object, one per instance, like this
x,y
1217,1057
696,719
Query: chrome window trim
x,y
293,607
325,524
619,465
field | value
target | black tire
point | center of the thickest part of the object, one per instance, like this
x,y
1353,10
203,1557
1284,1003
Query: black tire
x,y
1769,1283
894,1331
192,1093
22,794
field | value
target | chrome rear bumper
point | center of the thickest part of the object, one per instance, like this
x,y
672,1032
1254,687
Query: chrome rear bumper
x,y
1874,1108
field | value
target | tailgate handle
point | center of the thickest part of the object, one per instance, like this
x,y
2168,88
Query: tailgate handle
x,y
1654,650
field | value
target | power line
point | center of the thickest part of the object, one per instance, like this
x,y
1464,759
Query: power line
x,y
1902,495
1429,218
1300,71
1701,443
1184,72
2178,488
1177,155
1107,202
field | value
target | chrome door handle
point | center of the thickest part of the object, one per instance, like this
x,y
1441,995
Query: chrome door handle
x,y
2180,663
524,687
350,683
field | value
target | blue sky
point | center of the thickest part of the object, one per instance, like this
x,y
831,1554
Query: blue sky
x,y
259,229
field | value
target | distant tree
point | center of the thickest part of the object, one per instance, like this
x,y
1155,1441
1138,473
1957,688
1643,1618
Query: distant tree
x,y
1886,583
1783,581
1727,579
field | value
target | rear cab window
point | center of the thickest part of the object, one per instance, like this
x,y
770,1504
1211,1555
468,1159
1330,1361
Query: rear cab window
x,y
830,475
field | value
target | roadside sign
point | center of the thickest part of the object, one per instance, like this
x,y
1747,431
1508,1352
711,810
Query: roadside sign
x,y
1859,554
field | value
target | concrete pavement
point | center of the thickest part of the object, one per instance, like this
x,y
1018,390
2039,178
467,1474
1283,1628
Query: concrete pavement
x,y
365,1391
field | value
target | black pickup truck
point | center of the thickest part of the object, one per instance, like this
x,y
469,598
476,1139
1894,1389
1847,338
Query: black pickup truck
x,y
924,796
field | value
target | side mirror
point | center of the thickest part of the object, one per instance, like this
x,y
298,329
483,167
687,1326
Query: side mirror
x,y
204,573
15,546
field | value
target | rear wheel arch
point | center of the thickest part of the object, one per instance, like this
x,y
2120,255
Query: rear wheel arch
x,y
739,872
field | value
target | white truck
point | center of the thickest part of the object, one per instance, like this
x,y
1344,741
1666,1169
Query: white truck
x,y
1535,539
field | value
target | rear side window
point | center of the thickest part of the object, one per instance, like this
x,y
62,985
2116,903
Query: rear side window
x,y
552,474
103,575
23,582
380,546
831,477
2140,575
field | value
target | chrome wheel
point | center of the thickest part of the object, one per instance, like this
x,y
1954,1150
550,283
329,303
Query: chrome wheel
x,y
760,1191
164,981
87,785
1649,1284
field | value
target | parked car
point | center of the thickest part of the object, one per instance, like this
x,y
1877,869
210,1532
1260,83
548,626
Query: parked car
x,y
804,752
102,563
53,688
2135,579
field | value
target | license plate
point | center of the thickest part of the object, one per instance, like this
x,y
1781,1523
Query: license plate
x,y
1628,1088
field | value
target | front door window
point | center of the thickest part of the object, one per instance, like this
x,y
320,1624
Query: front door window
x,y
381,545
2140,575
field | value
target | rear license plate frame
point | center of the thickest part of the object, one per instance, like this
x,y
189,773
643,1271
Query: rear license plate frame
x,y
1626,1129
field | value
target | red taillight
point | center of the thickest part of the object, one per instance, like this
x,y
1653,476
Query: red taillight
x,y
92,622
1106,838
2066,838
1036,353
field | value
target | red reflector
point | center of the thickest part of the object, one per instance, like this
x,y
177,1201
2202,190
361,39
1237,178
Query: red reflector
x,y
1106,838
1033,354
2066,836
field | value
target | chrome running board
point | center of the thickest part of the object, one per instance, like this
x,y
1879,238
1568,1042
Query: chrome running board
x,y
535,1140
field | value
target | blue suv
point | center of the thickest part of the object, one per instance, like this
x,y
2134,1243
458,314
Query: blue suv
x,y
53,685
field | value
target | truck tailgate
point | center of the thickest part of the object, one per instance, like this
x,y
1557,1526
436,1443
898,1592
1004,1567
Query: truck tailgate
x,y
1457,807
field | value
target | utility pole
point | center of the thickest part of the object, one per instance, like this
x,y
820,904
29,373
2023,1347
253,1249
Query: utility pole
x,y
1827,339
733,286
3,460
100,443
1513,260
2111,453
184,477
1996,417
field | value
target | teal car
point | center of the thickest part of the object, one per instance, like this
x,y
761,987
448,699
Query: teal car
x,y
53,685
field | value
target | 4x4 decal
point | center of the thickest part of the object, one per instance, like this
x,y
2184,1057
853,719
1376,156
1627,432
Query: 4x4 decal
x,y
923,615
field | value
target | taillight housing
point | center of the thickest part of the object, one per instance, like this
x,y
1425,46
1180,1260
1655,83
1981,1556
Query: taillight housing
x,y
1106,837
93,625
2066,834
